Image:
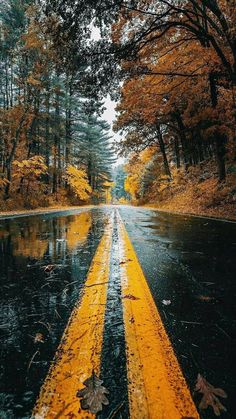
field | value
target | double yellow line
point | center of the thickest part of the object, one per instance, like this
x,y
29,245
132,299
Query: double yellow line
x,y
156,386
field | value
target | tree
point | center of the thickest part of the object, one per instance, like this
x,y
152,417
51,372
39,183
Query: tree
x,y
95,150
118,192
78,181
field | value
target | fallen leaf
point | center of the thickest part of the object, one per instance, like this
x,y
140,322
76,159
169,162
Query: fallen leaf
x,y
130,297
210,394
205,298
125,261
166,302
93,396
39,338
48,268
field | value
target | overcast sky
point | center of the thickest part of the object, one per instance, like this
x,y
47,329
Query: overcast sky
x,y
110,115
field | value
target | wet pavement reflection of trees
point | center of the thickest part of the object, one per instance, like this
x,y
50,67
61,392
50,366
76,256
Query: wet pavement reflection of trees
x,y
35,305
190,263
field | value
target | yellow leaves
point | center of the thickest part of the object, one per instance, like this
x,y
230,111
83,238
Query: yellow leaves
x,y
30,169
147,154
123,201
78,181
132,185
108,184
136,170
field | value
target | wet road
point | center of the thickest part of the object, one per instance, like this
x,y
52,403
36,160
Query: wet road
x,y
188,263
36,305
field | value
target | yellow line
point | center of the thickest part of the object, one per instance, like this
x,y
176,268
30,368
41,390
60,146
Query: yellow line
x,y
80,349
156,386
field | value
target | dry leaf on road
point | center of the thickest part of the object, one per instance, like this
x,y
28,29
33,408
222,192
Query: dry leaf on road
x,y
93,396
130,297
39,338
210,395
49,268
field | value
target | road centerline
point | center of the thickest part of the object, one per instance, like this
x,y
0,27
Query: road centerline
x,y
113,361
79,353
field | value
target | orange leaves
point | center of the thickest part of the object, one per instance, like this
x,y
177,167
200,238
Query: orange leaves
x,y
147,154
11,119
34,81
32,41
180,63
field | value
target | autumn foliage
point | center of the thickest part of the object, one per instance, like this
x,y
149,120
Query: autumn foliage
x,y
178,97
78,181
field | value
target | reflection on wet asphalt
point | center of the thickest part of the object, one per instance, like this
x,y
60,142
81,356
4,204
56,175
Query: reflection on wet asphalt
x,y
43,264
191,262
36,298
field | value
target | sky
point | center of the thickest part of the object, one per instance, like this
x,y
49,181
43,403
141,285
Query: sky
x,y
110,115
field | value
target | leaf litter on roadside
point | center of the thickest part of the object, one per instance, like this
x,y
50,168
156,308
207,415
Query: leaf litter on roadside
x,y
210,395
93,395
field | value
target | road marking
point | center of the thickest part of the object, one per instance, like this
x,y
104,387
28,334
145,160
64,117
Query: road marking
x,y
156,386
80,350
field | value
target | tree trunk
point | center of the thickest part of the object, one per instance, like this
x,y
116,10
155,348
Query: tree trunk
x,y
47,146
183,138
220,157
68,124
12,153
177,155
221,139
57,148
163,152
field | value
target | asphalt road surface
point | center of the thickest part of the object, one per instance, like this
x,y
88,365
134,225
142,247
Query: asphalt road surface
x,y
188,263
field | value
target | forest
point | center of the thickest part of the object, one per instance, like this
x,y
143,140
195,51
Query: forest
x,y
169,65
54,146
